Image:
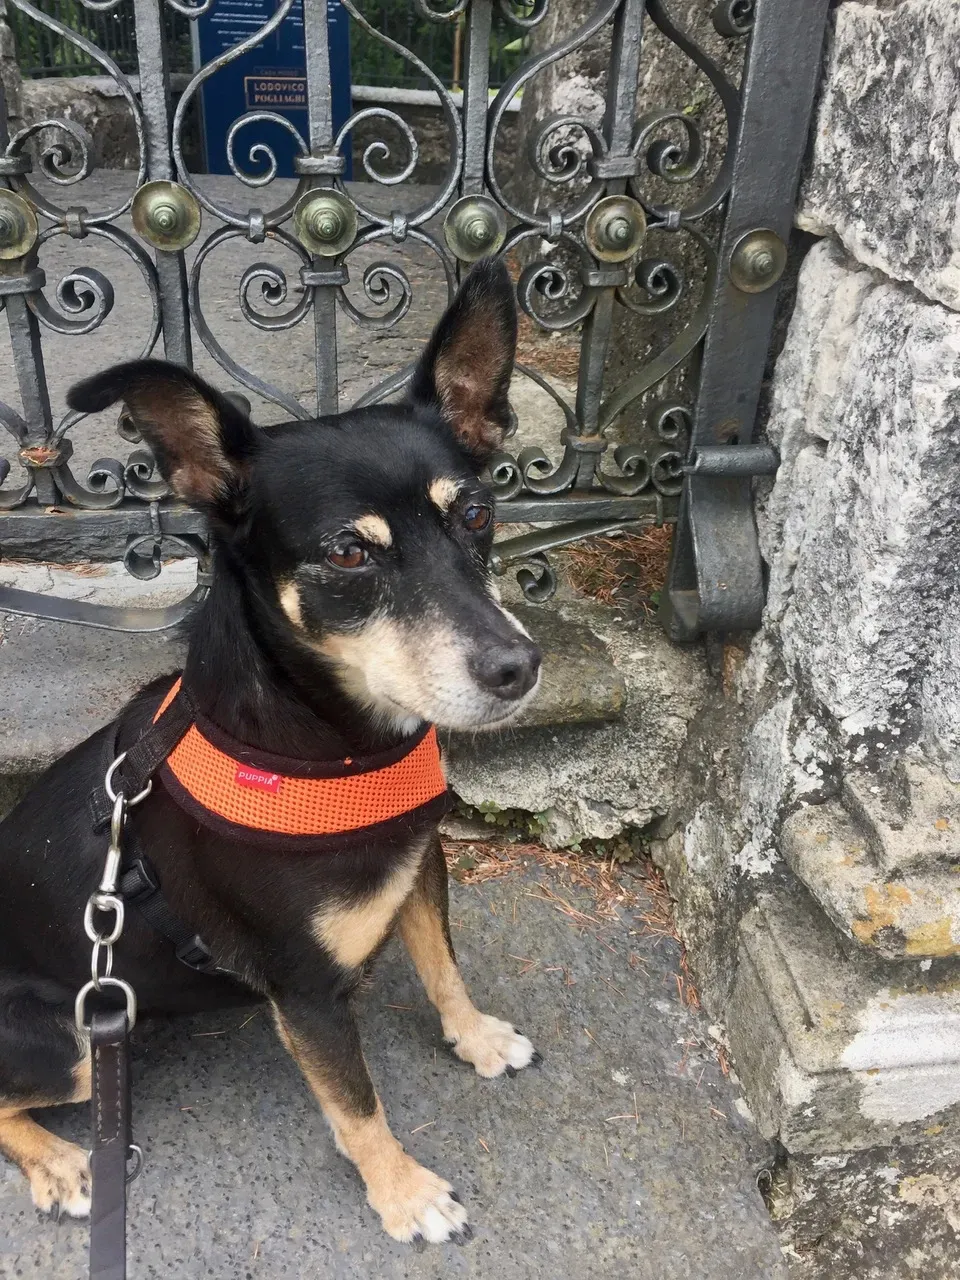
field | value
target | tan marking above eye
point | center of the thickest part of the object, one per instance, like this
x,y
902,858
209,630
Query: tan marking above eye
x,y
374,529
443,492
289,597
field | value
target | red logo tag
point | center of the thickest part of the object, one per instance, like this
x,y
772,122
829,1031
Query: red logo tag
x,y
257,779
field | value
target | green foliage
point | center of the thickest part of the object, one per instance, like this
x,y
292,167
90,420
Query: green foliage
x,y
40,52
434,43
514,824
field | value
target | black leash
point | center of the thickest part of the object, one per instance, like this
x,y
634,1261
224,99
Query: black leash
x,y
127,782
112,1143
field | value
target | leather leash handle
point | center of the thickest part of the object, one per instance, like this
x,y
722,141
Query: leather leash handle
x,y
110,1104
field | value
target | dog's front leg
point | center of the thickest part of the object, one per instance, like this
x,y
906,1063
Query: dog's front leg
x,y
491,1045
413,1203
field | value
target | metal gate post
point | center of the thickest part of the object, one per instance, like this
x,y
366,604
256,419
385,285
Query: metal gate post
x,y
715,580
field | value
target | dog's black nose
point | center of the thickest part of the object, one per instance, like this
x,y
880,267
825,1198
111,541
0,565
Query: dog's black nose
x,y
509,670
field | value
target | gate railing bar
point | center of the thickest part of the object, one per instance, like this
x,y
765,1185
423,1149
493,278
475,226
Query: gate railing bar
x,y
155,100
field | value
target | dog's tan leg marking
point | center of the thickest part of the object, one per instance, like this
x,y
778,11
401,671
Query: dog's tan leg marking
x,y
412,1202
58,1171
352,932
490,1044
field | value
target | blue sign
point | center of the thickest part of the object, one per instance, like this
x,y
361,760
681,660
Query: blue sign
x,y
270,77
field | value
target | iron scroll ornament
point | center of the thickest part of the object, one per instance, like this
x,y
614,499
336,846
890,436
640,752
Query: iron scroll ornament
x,y
605,204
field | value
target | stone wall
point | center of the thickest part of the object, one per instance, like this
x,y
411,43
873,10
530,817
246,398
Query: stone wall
x,y
814,845
820,834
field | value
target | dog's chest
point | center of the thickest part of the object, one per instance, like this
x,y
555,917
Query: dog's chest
x,y
351,928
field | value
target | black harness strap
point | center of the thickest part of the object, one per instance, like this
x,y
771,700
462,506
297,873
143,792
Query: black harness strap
x,y
143,758
111,1143
139,883
140,886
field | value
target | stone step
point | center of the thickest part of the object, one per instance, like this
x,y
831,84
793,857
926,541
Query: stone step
x,y
893,889
838,1049
579,683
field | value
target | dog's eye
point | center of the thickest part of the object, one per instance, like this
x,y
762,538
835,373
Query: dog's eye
x,y
476,518
351,555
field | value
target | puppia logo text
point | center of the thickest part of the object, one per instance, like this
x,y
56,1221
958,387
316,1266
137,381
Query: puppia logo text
x,y
257,779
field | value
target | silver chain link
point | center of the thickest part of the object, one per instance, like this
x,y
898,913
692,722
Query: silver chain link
x,y
107,902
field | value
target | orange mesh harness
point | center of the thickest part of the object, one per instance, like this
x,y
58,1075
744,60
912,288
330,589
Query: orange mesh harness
x,y
254,795
301,806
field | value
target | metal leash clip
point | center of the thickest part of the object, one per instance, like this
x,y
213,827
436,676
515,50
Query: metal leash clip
x,y
106,900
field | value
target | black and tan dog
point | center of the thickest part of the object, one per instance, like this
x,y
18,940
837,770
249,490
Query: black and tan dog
x,y
351,606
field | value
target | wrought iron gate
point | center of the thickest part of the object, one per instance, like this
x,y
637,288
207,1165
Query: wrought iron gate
x,y
580,225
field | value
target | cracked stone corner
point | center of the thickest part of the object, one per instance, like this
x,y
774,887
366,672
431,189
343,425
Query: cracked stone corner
x,y
840,1052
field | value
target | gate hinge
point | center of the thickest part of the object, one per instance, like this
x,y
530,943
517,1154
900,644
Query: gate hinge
x,y
733,460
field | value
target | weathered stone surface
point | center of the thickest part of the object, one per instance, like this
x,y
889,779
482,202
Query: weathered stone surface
x,y
579,682
746,763
888,1214
698,863
886,157
940,691
840,751
843,1015
862,528
573,86
10,77
906,914
838,1051
93,102
910,815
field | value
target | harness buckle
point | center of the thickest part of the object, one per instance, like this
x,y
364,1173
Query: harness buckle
x,y
195,954
138,882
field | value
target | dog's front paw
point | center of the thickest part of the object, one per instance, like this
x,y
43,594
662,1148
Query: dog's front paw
x,y
492,1046
60,1181
417,1206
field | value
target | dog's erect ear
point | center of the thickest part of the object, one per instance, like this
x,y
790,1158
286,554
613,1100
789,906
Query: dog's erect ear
x,y
465,371
201,440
